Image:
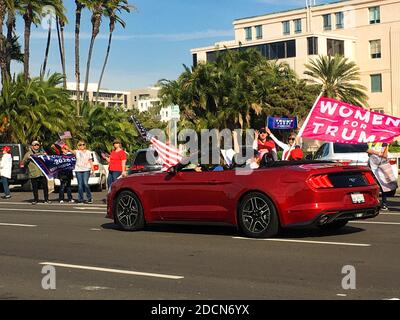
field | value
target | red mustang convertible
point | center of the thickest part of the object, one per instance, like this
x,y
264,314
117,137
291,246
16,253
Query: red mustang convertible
x,y
259,202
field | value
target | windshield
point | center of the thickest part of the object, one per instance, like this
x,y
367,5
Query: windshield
x,y
349,148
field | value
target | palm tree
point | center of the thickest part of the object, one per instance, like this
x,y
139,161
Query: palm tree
x,y
37,109
337,77
61,46
3,61
96,7
80,5
59,12
111,9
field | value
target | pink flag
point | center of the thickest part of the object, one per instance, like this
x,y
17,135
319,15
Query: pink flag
x,y
336,121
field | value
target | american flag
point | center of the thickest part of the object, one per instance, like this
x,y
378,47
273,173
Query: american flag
x,y
169,156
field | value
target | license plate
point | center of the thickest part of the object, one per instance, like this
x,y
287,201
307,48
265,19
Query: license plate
x,y
357,198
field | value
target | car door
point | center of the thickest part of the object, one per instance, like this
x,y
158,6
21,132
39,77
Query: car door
x,y
194,196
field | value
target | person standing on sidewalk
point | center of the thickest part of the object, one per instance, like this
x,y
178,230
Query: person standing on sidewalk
x,y
117,163
5,171
65,179
83,167
35,174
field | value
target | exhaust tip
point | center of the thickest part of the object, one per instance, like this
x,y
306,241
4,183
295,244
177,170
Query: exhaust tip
x,y
323,220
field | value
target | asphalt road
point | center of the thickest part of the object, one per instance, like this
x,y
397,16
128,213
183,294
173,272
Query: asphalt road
x,y
93,260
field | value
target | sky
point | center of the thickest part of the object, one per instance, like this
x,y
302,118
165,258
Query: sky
x,y
156,42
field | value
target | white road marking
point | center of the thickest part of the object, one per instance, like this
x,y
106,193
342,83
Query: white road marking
x,y
389,213
94,288
18,225
134,273
95,229
57,211
88,208
310,242
341,295
52,204
375,222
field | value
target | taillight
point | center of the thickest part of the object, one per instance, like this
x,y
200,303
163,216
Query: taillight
x,y
370,177
320,182
21,165
96,167
392,161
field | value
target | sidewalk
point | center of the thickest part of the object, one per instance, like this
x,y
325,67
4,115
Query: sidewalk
x,y
27,196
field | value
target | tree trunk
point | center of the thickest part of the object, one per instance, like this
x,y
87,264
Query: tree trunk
x,y
96,21
3,63
105,64
10,34
27,36
89,60
46,56
61,47
78,15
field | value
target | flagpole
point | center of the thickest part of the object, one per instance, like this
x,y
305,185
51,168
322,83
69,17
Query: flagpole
x,y
309,116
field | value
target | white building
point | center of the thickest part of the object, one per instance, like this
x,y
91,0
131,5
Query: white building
x,y
109,98
145,98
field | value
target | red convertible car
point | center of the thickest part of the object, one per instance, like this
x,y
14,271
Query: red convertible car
x,y
260,202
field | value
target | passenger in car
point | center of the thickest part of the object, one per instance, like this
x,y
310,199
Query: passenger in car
x,y
290,149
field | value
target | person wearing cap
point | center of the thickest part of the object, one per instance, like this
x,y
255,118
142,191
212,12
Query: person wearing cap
x,y
117,163
83,167
263,143
291,150
5,171
35,174
65,177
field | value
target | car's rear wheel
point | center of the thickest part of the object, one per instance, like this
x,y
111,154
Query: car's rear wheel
x,y
257,216
128,212
335,225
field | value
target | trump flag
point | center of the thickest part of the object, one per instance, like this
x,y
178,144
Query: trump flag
x,y
336,121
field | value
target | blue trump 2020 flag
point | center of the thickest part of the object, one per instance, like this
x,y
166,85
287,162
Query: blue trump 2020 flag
x,y
52,165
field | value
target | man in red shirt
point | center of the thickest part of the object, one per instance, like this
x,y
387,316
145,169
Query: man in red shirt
x,y
117,163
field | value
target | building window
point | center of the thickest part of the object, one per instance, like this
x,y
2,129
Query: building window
x,y
376,83
286,27
281,50
339,20
259,34
374,15
194,59
335,47
249,35
327,22
312,43
375,47
297,25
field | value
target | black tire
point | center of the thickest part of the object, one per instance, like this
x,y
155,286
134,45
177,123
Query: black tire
x,y
128,212
336,225
257,216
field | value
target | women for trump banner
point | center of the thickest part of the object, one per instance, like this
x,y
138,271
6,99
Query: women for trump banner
x,y
336,121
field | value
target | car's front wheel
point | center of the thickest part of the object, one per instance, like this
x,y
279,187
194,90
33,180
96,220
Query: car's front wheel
x,y
257,216
128,212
